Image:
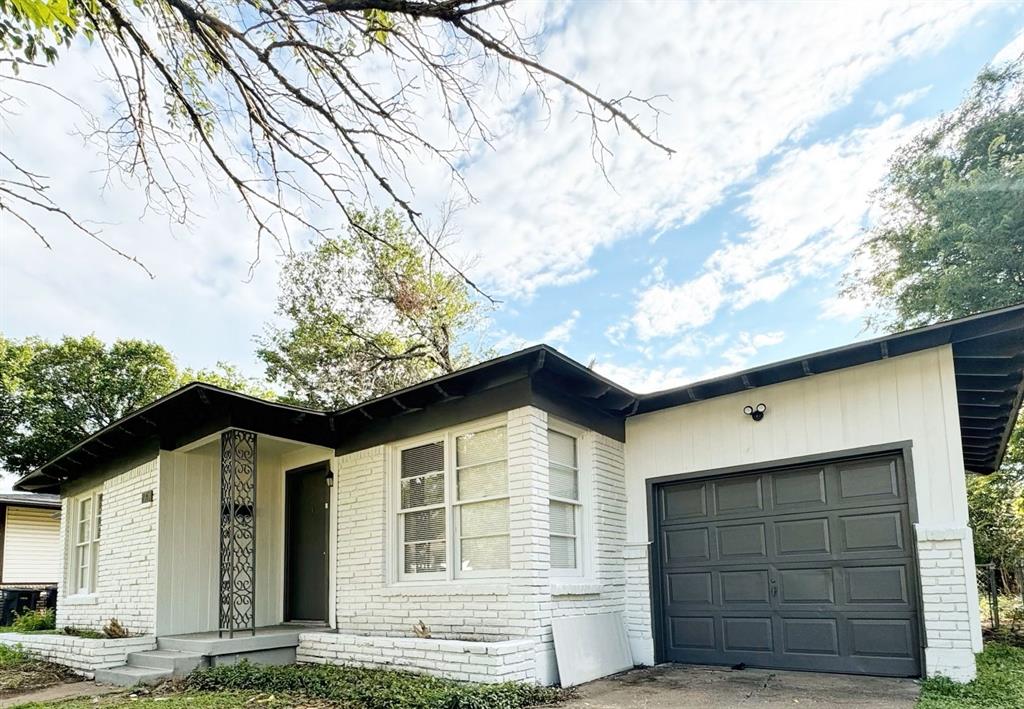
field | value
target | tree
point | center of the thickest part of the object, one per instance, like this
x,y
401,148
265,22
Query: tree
x,y
364,316
53,395
294,105
951,243
951,239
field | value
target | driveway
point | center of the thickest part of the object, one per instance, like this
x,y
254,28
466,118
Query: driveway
x,y
672,686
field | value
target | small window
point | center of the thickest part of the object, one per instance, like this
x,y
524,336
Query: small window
x,y
564,507
88,515
422,505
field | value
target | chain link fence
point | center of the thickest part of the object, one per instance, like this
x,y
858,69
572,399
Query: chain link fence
x,y
1001,592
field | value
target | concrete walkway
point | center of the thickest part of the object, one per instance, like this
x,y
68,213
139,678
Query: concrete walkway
x,y
673,686
60,692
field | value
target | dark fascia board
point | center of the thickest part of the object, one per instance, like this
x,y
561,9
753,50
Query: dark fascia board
x,y
51,502
922,338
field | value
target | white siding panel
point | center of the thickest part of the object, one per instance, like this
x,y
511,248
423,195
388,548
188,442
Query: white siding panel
x,y
31,546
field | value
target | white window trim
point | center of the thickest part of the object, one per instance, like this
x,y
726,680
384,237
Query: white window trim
x,y
394,532
90,549
584,531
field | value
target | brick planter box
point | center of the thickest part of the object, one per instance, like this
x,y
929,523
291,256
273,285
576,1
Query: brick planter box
x,y
83,655
469,661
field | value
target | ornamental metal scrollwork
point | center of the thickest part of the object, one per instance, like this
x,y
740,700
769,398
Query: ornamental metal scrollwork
x,y
237,532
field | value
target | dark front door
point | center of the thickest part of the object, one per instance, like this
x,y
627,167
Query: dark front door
x,y
306,523
810,568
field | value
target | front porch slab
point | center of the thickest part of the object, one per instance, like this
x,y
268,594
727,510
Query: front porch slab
x,y
274,645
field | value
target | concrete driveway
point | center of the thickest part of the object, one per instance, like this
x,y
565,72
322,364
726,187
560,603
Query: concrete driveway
x,y
672,686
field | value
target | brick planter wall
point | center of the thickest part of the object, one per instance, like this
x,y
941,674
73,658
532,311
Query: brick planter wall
x,y
485,662
83,655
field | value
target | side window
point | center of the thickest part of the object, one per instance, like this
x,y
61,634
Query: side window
x,y
565,509
421,519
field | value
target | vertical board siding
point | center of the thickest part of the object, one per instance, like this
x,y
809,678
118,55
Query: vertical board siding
x,y
189,542
908,398
31,546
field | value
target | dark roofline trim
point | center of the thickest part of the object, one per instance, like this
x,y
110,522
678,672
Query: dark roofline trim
x,y
564,382
49,502
880,342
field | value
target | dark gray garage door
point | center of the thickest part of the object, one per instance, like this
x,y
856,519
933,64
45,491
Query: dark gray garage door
x,y
808,568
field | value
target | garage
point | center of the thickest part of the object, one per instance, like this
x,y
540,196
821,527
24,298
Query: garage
x,y
809,567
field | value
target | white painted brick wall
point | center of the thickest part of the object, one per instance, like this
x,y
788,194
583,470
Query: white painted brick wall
x,y
485,662
84,655
521,602
126,569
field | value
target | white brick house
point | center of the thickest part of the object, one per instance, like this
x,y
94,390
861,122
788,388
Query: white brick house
x,y
827,532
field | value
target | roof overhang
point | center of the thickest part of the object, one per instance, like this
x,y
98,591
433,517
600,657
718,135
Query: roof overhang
x,y
988,359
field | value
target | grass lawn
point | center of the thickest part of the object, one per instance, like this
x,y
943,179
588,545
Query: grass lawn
x,y
325,685
1000,683
19,672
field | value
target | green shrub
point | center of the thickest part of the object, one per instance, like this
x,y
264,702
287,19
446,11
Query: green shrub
x,y
13,656
30,621
371,688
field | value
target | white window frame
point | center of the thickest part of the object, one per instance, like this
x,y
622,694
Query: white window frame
x,y
85,552
582,505
396,540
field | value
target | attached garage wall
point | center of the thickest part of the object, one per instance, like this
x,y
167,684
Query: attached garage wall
x,y
904,399
31,551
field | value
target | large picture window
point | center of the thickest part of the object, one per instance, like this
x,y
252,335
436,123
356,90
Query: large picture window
x,y
87,515
453,506
564,506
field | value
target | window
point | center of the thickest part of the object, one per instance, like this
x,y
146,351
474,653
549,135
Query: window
x,y
88,515
481,471
564,507
453,506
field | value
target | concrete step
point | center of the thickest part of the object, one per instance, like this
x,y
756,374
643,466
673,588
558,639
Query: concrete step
x,y
178,662
127,676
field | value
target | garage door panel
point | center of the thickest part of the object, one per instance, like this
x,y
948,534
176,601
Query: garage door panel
x,y
685,546
807,586
877,585
693,632
877,531
747,634
869,479
798,489
802,536
744,587
742,540
683,503
689,589
803,568
881,637
739,496
810,636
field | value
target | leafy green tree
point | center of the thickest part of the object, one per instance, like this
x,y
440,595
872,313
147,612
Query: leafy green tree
x,y
54,394
362,316
951,243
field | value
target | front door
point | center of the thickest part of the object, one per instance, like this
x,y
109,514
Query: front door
x,y
306,524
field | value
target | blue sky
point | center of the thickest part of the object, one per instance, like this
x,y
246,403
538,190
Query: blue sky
x,y
724,256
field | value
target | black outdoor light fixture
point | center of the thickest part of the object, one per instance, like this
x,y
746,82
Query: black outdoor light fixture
x,y
329,477
755,412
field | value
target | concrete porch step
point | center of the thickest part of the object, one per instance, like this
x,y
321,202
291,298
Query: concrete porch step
x,y
128,676
178,662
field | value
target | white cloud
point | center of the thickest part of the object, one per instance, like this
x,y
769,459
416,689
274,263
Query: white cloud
x,y
664,310
806,216
642,379
1011,51
844,308
901,102
562,332
543,207
743,349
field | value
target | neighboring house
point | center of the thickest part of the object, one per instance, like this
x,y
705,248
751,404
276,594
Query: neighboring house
x,y
29,540
829,534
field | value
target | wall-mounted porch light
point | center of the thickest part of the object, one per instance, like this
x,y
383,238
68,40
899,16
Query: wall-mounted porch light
x,y
329,477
